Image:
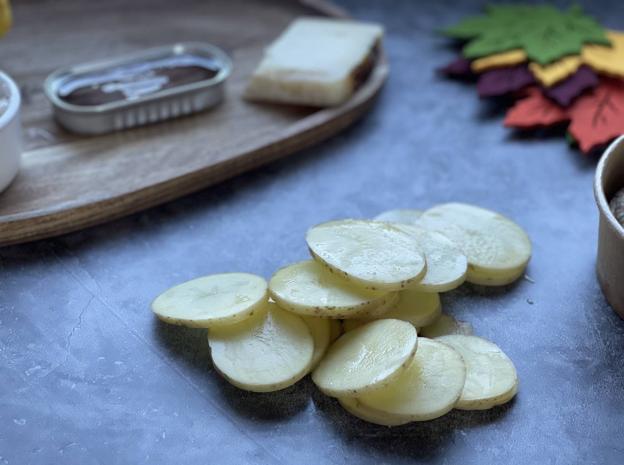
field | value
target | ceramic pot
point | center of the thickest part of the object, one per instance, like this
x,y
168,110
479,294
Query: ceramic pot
x,y
10,131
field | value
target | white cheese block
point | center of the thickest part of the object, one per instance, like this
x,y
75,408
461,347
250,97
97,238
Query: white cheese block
x,y
315,62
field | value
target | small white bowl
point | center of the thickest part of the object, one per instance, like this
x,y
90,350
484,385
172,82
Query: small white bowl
x,y
10,131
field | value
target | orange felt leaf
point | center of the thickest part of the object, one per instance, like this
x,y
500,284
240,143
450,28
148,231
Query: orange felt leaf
x,y
535,110
598,116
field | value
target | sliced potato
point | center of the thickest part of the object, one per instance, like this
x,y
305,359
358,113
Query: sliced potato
x,y
497,249
366,358
270,351
491,377
212,300
445,325
405,216
335,327
372,254
320,328
428,388
308,288
357,409
446,263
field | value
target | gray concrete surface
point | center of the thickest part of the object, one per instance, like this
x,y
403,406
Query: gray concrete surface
x,y
88,376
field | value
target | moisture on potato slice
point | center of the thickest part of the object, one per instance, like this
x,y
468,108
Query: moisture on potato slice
x,y
405,216
308,288
372,254
491,377
497,249
212,300
270,351
357,409
366,358
428,388
321,330
445,325
446,263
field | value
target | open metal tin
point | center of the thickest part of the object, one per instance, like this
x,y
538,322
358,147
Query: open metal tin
x,y
139,88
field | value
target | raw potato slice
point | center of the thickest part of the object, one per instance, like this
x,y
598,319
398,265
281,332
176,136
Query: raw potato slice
x,y
380,312
366,358
316,61
446,263
308,288
404,216
491,377
446,325
356,408
320,328
213,300
372,254
497,249
270,351
428,388
335,330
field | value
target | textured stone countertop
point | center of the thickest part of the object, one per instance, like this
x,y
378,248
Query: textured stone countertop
x,y
88,376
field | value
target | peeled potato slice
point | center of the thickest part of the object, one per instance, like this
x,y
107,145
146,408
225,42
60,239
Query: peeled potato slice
x,y
444,326
270,351
405,216
497,249
491,377
366,358
307,288
428,388
446,263
320,328
212,300
372,254
357,409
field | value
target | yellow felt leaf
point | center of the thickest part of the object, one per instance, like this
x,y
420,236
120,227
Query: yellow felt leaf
x,y
5,17
552,73
607,60
498,60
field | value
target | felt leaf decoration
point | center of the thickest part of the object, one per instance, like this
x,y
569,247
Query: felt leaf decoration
x,y
533,111
556,71
598,117
542,31
503,81
499,60
567,90
607,60
459,68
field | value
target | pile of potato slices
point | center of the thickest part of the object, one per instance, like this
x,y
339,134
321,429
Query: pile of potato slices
x,y
363,316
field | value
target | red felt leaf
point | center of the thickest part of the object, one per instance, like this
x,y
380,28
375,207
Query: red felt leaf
x,y
535,110
598,116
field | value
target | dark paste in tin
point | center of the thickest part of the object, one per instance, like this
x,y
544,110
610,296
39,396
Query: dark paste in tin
x,y
617,206
136,80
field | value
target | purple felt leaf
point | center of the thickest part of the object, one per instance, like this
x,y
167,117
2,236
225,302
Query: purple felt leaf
x,y
503,81
567,90
459,68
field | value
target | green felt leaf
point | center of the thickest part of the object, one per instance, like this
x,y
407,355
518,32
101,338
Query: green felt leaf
x,y
544,32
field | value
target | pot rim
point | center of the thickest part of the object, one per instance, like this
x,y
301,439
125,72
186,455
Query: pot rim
x,y
616,148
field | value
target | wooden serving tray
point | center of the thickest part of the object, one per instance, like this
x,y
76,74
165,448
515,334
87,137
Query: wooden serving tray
x,y
69,182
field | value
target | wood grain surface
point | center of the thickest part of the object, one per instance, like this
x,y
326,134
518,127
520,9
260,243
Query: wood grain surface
x,y
68,182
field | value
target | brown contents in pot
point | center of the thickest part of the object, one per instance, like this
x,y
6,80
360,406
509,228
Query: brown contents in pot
x,y
617,206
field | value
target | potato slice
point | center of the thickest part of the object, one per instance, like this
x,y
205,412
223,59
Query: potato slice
x,y
270,351
372,254
444,326
366,358
213,300
335,330
446,263
357,409
405,216
320,328
417,308
307,288
491,377
497,249
428,388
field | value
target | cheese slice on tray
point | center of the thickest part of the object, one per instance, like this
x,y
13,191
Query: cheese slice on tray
x,y
317,62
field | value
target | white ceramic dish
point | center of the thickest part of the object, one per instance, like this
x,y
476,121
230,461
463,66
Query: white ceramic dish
x,y
10,131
